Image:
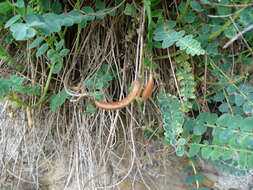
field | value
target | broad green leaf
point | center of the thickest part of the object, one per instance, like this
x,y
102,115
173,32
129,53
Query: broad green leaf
x,y
55,58
192,179
230,32
157,12
199,129
247,142
242,160
42,49
223,107
189,17
196,6
100,14
57,68
22,31
12,21
76,16
191,45
224,120
231,90
247,124
225,135
99,5
246,89
248,107
36,42
239,99
235,121
59,45
203,117
57,100
227,155
50,53
34,20
223,10
194,150
130,10
64,52
57,7
189,124
237,110
45,4
65,20
52,23
211,120
216,153
5,87
88,13
5,7
168,37
20,4
206,152
155,2
250,161
218,97
196,138
212,48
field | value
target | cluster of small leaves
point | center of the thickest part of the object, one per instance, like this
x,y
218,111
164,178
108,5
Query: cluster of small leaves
x,y
55,53
169,37
96,83
16,84
49,23
231,142
194,177
56,100
236,99
186,80
173,120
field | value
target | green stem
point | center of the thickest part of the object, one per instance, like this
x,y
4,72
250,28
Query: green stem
x,y
227,82
43,97
167,56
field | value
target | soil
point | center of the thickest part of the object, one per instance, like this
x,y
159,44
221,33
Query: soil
x,y
29,164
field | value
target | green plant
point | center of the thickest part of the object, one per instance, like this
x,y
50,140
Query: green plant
x,y
208,115
34,23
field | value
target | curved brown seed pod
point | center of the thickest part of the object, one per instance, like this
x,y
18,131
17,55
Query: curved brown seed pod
x,y
149,88
122,103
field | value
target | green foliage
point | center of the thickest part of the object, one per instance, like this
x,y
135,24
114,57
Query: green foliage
x,y
15,84
169,36
186,81
57,100
5,7
50,23
173,119
211,113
